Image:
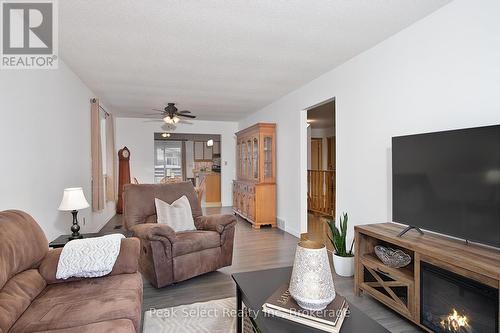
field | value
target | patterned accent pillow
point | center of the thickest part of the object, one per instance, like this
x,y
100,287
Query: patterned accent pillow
x,y
177,215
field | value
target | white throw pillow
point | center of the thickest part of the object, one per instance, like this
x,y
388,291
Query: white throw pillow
x,y
178,215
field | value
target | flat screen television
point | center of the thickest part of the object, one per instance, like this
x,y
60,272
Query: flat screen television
x,y
449,182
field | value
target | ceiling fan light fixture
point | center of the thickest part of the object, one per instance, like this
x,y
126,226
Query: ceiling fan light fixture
x,y
171,115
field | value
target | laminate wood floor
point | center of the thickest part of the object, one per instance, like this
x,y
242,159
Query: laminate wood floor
x,y
255,249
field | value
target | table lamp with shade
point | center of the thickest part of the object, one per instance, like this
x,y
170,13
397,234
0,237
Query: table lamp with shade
x,y
72,201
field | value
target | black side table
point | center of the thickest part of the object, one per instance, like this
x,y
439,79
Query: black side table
x,y
64,239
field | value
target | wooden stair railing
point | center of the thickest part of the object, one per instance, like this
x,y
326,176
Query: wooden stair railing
x,y
321,191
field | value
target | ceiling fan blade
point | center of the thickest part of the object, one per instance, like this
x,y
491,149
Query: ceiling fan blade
x,y
158,110
184,111
186,115
151,118
153,121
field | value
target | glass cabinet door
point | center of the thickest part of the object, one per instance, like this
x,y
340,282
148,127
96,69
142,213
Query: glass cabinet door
x,y
238,160
268,158
243,159
255,158
249,159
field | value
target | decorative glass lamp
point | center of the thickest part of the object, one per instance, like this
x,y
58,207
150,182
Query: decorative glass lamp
x,y
74,200
311,284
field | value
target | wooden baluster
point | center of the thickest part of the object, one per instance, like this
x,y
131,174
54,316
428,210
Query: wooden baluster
x,y
320,190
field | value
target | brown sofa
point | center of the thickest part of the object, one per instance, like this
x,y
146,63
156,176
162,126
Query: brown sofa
x,y
33,300
167,257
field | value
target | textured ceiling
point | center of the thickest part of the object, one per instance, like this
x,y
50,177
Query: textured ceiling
x,y
220,59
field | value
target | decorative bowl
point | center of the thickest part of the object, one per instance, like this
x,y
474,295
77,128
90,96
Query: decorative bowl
x,y
392,257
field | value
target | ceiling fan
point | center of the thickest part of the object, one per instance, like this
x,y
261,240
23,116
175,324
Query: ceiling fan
x,y
171,115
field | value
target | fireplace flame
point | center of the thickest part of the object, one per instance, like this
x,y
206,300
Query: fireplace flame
x,y
454,322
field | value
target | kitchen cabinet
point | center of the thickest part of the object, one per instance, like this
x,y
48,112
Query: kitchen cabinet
x,y
202,152
216,147
207,152
212,188
198,150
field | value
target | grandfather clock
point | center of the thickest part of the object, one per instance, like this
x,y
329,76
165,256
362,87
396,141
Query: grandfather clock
x,y
123,175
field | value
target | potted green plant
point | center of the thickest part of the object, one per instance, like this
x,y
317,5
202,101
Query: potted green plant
x,y
343,259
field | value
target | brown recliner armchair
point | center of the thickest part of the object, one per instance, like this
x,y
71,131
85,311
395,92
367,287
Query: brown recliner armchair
x,y
167,257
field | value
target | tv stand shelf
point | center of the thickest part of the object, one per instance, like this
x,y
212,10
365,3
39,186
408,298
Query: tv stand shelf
x,y
399,288
404,273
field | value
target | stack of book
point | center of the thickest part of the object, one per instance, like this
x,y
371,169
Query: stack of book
x,y
281,304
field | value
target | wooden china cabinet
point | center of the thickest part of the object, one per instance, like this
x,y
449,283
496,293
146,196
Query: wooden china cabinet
x,y
254,190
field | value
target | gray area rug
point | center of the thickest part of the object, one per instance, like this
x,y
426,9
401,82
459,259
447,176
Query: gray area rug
x,y
218,316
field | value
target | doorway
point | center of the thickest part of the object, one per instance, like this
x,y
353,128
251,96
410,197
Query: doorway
x,y
168,160
190,157
321,171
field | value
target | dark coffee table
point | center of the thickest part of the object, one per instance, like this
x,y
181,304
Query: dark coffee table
x,y
253,289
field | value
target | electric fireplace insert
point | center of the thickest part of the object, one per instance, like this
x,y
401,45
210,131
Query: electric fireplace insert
x,y
451,303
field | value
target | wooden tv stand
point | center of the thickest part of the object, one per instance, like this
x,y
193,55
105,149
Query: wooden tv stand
x,y
399,289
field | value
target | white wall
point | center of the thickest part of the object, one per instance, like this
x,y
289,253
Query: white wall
x,y
45,146
441,73
138,135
